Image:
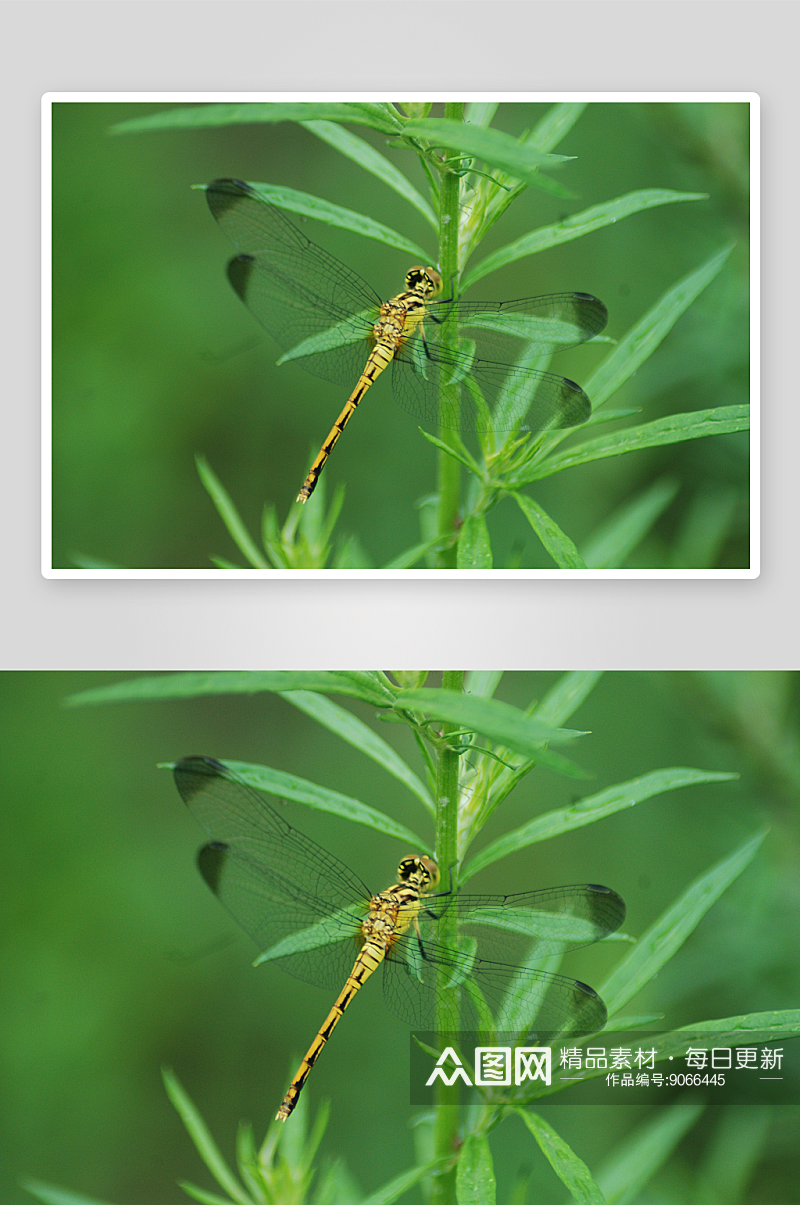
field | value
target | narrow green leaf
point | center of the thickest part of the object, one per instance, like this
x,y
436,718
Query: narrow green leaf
x,y
611,416
201,1137
364,686
308,1152
83,561
731,1158
558,545
612,543
229,514
314,937
334,1186
587,811
498,721
474,546
331,516
247,1159
571,1170
635,1160
203,1196
356,733
405,560
245,1143
556,123
378,117
484,683
724,420
219,562
709,521
351,555
742,1030
461,454
334,215
480,112
289,786
475,1179
670,931
51,1195
272,538
632,1021
564,699
642,340
373,161
395,1188
491,146
575,227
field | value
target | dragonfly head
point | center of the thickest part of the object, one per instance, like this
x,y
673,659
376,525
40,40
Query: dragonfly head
x,y
425,282
419,872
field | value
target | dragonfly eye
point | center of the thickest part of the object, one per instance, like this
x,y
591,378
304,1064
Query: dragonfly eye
x,y
422,872
426,282
431,871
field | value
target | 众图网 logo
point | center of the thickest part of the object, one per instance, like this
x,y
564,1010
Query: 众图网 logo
x,y
493,1066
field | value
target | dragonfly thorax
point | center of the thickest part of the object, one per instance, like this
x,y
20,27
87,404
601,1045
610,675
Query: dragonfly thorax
x,y
425,282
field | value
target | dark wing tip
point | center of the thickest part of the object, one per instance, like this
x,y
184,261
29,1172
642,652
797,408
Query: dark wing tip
x,y
224,194
191,772
594,313
591,1012
211,861
240,270
577,408
610,908
209,766
228,184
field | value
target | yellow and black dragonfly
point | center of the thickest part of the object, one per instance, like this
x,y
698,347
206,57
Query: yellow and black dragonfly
x,y
316,919
453,362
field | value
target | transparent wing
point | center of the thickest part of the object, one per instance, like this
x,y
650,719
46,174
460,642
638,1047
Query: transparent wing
x,y
548,323
520,1000
295,289
554,918
276,882
489,390
480,395
501,937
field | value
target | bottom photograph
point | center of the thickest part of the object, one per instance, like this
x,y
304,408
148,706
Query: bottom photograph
x,y
371,936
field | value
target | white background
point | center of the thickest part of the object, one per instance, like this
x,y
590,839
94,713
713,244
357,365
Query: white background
x,y
377,46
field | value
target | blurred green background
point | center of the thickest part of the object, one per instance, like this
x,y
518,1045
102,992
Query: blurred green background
x,y
156,360
116,959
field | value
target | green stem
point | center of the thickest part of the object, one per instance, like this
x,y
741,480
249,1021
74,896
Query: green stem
x,y
446,1135
449,470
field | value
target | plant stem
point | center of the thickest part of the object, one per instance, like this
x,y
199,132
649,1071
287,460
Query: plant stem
x,y
449,470
446,1135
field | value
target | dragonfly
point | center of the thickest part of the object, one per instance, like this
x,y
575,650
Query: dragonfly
x,y
322,314
315,918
